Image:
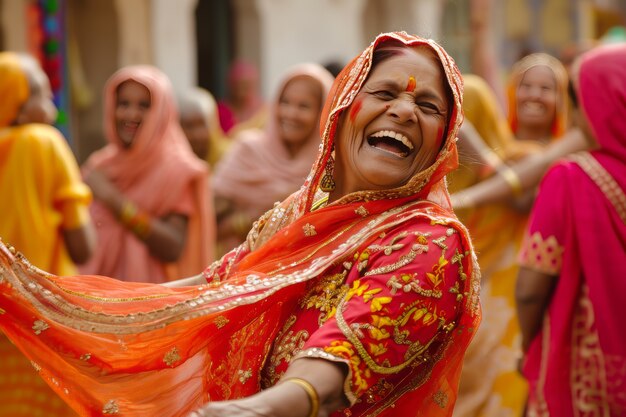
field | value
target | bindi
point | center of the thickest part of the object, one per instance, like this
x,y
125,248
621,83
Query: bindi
x,y
410,85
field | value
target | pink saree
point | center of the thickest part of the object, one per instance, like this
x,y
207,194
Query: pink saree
x,y
577,365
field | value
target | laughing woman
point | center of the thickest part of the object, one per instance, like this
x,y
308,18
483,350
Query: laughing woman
x,y
355,296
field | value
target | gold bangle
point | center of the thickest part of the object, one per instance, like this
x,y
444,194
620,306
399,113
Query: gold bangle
x,y
512,179
310,391
129,210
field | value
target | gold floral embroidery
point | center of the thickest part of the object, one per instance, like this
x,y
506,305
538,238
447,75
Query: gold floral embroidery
x,y
603,179
244,375
2,311
288,344
458,258
545,255
344,349
440,398
111,407
40,326
171,357
381,389
393,246
589,366
221,321
362,211
408,283
326,295
309,230
440,242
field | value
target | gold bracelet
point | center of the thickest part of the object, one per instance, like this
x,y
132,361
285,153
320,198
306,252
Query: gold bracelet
x,y
512,179
310,391
129,210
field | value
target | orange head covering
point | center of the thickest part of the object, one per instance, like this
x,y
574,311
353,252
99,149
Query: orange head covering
x,y
428,184
560,74
14,88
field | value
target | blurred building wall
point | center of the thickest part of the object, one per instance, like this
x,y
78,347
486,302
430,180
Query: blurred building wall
x,y
276,34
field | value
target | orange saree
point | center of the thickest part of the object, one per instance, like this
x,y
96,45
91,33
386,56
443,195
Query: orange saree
x,y
383,281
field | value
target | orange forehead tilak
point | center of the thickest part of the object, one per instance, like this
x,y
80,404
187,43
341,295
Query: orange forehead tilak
x,y
410,86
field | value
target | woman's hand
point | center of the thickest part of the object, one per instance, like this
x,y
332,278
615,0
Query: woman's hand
x,y
288,399
237,408
101,187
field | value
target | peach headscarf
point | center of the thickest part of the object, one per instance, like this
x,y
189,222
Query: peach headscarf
x,y
156,173
14,88
258,170
560,74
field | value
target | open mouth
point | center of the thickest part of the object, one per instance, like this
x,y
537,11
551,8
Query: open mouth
x,y
391,142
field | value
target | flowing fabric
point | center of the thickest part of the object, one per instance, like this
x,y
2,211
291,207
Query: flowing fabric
x,y
560,123
577,365
251,114
43,194
490,384
383,281
156,173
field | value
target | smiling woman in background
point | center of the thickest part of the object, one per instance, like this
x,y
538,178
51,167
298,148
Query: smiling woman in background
x,y
265,166
151,204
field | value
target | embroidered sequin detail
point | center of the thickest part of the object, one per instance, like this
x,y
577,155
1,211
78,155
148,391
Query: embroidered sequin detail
x,y
309,230
362,211
244,375
541,254
221,321
40,326
440,398
610,188
171,357
85,357
111,407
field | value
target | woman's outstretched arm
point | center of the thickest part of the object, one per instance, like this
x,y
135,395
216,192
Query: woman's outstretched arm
x,y
521,176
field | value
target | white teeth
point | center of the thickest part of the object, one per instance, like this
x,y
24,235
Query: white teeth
x,y
394,135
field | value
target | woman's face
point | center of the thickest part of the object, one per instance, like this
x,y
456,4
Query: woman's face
x,y
298,110
132,105
536,98
39,108
196,128
395,125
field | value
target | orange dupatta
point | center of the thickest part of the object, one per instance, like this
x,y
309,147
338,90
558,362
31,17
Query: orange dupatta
x,y
114,347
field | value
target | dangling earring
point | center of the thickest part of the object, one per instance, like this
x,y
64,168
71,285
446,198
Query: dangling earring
x,y
328,181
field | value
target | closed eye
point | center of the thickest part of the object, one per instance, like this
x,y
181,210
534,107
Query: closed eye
x,y
428,107
384,94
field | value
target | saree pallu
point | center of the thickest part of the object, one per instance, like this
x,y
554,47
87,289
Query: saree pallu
x,y
112,347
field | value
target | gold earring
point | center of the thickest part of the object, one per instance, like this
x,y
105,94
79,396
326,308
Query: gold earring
x,y
328,181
